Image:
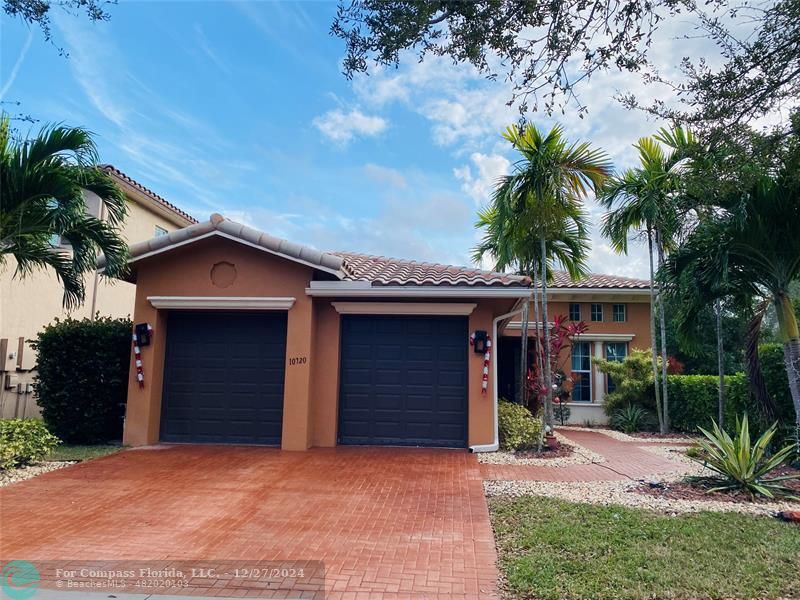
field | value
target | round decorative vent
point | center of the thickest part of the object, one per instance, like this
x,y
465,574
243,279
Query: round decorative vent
x,y
223,274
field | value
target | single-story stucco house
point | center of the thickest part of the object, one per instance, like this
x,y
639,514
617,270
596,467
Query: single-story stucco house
x,y
257,340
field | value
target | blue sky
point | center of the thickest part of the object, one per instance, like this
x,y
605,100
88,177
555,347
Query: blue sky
x,y
241,108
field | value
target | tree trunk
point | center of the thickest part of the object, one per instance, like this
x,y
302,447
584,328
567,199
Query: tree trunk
x,y
548,371
790,332
654,350
523,356
720,366
537,340
791,355
663,322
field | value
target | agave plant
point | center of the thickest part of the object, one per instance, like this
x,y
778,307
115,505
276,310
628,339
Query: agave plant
x,y
630,419
741,465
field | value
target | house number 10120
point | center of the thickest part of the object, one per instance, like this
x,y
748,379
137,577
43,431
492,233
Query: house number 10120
x,y
297,360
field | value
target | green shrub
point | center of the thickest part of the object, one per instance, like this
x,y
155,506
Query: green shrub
x,y
633,378
694,452
631,419
694,400
82,378
24,441
519,429
741,464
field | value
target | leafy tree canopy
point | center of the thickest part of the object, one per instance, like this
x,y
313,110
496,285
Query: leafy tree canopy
x,y
37,12
546,49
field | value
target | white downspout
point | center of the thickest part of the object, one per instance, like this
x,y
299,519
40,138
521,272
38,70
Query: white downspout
x,y
495,445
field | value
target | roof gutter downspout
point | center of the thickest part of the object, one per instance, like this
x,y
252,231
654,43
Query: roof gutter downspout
x,y
494,446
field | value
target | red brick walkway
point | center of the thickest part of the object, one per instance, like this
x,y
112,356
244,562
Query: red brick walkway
x,y
623,460
388,523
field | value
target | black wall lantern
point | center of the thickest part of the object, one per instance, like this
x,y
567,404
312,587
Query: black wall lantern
x,y
479,342
143,331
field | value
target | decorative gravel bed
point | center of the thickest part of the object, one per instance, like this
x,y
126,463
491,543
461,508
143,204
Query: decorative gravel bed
x,y
639,439
685,490
577,455
629,492
23,473
605,493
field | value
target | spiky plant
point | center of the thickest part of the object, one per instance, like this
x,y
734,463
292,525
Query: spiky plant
x,y
742,465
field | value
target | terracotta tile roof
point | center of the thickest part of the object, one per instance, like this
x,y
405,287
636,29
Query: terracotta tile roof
x,y
382,270
379,270
598,281
254,237
112,170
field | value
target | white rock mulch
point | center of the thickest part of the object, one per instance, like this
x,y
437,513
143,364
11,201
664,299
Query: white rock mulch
x,y
607,493
30,471
579,456
624,437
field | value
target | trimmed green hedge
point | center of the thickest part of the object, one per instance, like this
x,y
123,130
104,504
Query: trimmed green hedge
x,y
693,398
82,378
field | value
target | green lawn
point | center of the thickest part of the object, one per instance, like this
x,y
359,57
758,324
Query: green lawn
x,y
553,549
79,452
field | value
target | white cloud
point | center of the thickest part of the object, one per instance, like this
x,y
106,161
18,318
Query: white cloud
x,y
205,46
489,167
17,65
435,228
342,127
386,175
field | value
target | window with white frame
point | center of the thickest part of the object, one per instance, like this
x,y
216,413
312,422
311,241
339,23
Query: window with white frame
x,y
619,313
615,352
574,311
597,312
582,371
160,231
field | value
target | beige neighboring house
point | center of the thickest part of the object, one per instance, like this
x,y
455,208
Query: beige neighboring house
x,y
27,305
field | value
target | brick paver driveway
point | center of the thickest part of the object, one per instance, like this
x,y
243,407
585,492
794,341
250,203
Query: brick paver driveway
x,y
399,523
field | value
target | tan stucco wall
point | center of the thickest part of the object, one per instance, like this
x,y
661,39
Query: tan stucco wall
x,y
636,325
311,393
27,305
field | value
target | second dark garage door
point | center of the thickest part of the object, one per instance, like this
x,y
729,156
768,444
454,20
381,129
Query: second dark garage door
x,y
223,377
403,381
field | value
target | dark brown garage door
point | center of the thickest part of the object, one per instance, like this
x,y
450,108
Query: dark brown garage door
x,y
223,378
403,381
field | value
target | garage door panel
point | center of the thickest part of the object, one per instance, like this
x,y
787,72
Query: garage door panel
x,y
224,377
406,389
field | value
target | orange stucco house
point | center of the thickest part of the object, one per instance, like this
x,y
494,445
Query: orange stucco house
x,y
257,340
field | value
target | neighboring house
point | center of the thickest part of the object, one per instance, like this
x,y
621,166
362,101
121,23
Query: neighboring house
x,y
258,340
616,311
27,305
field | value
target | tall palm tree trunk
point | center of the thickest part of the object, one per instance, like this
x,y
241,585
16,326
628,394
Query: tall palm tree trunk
x,y
523,356
537,339
663,323
654,350
790,332
791,354
720,365
548,374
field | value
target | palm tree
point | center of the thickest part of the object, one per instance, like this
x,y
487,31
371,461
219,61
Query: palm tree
x,y
645,200
536,217
752,246
43,216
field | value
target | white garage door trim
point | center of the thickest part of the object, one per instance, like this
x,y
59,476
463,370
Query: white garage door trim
x,y
403,308
221,302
